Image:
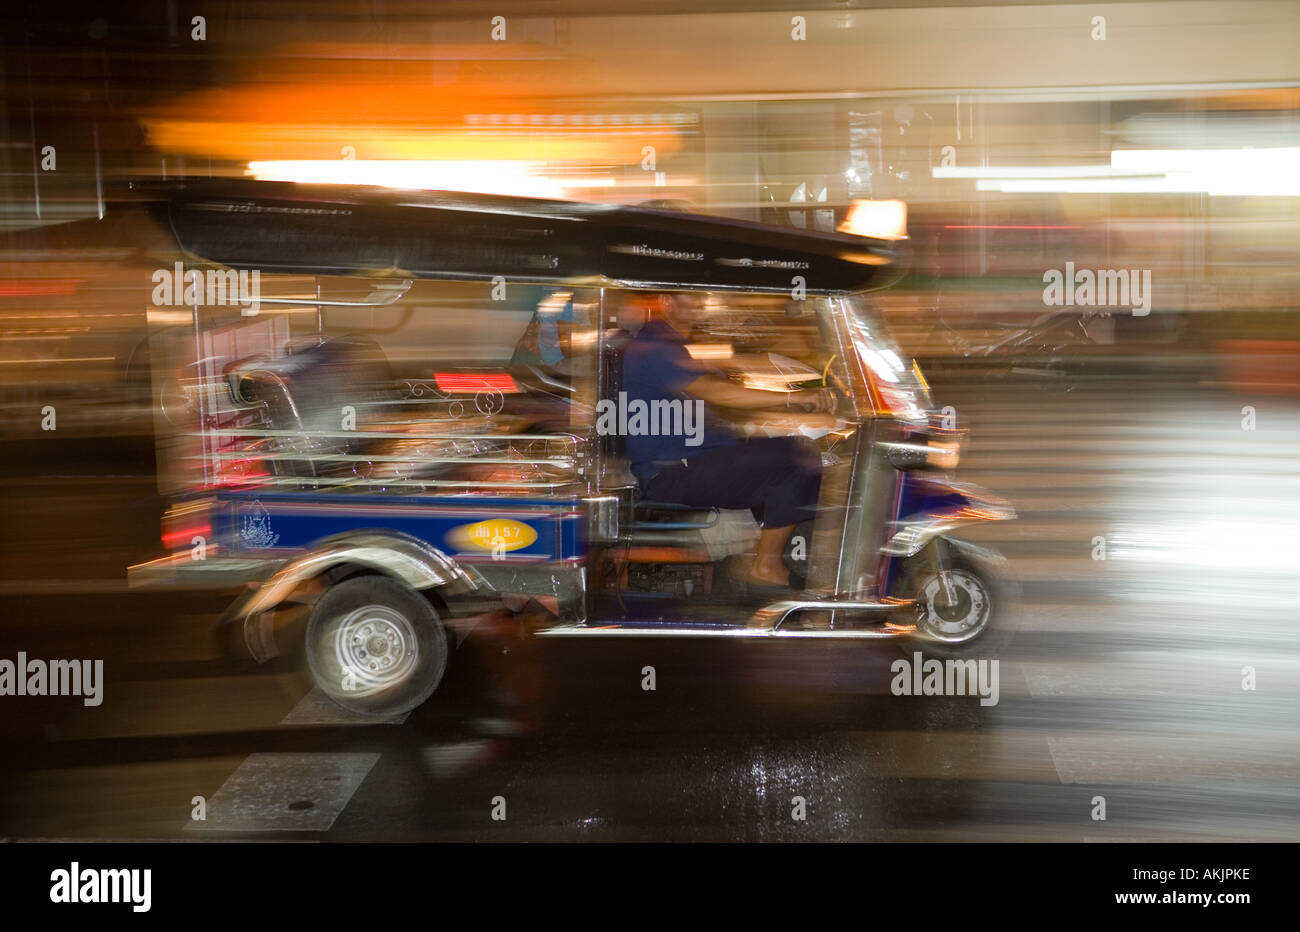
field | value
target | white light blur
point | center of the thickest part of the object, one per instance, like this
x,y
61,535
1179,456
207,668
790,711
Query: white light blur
x,y
1209,541
894,359
1222,172
1149,185
877,219
516,178
879,364
710,350
1267,172
1027,171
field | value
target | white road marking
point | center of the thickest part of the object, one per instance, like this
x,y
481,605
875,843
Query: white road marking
x,y
286,793
316,708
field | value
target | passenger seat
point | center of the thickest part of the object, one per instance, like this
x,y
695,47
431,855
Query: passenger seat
x,y
307,393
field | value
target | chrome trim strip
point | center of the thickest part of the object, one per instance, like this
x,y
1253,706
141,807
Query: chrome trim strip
x,y
846,634
373,434
602,517
559,461
774,615
394,295
307,481
912,538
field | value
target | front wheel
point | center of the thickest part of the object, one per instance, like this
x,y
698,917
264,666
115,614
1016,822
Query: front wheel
x,y
965,598
375,647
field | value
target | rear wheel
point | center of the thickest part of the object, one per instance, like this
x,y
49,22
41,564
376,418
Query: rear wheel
x,y
375,647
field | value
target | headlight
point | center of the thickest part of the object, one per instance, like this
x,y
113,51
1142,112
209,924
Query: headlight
x,y
931,455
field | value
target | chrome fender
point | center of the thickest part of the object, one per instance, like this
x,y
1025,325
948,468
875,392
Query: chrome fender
x,y
960,504
405,558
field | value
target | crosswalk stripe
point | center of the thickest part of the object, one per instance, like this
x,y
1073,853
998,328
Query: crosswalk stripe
x,y
286,792
316,708
1112,757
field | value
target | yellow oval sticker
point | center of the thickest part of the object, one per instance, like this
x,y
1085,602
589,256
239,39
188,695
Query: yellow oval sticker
x,y
496,535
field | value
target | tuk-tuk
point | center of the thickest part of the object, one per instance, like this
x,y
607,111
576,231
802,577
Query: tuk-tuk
x,y
401,410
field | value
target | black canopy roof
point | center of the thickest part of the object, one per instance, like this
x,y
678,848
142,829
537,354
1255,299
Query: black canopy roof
x,y
337,230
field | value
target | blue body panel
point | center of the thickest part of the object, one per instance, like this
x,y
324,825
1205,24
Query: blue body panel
x,y
925,496
920,498
264,522
280,524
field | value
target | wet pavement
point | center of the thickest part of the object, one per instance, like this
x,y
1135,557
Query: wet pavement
x,y
1162,679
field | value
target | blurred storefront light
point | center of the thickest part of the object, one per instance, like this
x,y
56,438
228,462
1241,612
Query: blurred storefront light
x,y
1267,172
1246,172
877,219
519,178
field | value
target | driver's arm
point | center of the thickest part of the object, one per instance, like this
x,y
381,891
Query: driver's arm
x,y
723,394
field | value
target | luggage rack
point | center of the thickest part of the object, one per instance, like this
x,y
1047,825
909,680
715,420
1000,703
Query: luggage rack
x,y
558,451
407,436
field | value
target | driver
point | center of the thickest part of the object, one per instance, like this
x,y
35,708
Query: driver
x,y
778,478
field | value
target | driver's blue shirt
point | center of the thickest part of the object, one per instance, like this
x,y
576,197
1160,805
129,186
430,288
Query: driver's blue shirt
x,y
657,367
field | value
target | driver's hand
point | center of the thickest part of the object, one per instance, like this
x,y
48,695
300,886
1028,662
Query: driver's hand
x,y
814,399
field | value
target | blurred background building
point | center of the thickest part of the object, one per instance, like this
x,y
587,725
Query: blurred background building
x,y
1159,136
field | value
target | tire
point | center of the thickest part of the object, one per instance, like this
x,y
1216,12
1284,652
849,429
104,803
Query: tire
x,y
985,614
375,647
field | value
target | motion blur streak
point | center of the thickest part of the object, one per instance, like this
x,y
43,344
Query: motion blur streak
x,y
501,177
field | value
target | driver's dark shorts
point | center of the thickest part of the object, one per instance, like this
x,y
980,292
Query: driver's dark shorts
x,y
778,478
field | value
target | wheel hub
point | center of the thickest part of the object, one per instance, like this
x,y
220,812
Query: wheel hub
x,y
956,611
376,646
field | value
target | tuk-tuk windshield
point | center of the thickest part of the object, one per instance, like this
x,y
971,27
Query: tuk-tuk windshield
x,y
896,383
